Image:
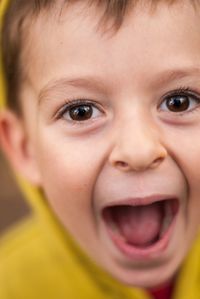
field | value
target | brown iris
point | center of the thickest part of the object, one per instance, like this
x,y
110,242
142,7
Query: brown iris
x,y
178,103
81,113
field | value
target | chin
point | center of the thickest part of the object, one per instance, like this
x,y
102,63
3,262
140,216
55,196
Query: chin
x,y
144,280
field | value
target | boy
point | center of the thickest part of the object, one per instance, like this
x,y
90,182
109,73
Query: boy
x,y
103,119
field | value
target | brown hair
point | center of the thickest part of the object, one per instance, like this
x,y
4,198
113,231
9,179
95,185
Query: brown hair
x,y
14,32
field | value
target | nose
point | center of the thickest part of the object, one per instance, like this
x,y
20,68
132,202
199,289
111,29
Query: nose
x,y
137,147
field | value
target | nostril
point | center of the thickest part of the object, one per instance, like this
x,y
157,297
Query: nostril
x,y
156,162
121,164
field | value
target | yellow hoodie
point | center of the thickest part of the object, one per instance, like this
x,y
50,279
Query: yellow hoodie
x,y
39,260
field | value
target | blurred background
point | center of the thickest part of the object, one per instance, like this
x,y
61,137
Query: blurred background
x,y
12,205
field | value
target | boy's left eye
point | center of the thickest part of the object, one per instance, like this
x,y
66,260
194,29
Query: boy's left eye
x,y
178,103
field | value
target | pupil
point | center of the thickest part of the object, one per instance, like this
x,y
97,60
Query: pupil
x,y
83,112
178,103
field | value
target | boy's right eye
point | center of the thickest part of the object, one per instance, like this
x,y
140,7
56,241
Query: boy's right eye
x,y
79,111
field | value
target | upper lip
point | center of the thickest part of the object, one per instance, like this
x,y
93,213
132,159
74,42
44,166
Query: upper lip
x,y
139,201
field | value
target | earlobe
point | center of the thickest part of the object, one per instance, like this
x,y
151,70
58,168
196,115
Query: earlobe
x,y
17,147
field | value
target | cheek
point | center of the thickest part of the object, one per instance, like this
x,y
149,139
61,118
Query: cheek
x,y
190,166
69,174
69,171
189,161
194,195
184,149
183,146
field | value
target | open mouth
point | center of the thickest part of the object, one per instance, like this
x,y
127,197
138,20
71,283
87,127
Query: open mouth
x,y
141,229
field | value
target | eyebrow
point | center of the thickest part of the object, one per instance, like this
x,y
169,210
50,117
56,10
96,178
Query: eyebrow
x,y
176,74
89,83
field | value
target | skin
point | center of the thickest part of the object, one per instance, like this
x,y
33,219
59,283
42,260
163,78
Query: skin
x,y
132,146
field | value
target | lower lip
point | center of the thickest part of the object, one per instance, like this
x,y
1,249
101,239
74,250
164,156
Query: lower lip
x,y
147,253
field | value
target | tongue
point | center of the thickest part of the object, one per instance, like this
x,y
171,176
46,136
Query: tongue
x,y
139,225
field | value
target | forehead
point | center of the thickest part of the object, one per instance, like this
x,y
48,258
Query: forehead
x,y
72,42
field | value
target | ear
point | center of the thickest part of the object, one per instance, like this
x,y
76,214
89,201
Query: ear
x,y
17,147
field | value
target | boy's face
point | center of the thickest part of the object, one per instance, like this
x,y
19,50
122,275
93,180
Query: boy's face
x,y
114,126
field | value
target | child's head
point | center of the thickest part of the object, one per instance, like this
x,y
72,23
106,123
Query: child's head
x,y
109,125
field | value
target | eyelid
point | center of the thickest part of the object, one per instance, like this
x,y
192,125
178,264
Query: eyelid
x,y
185,92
